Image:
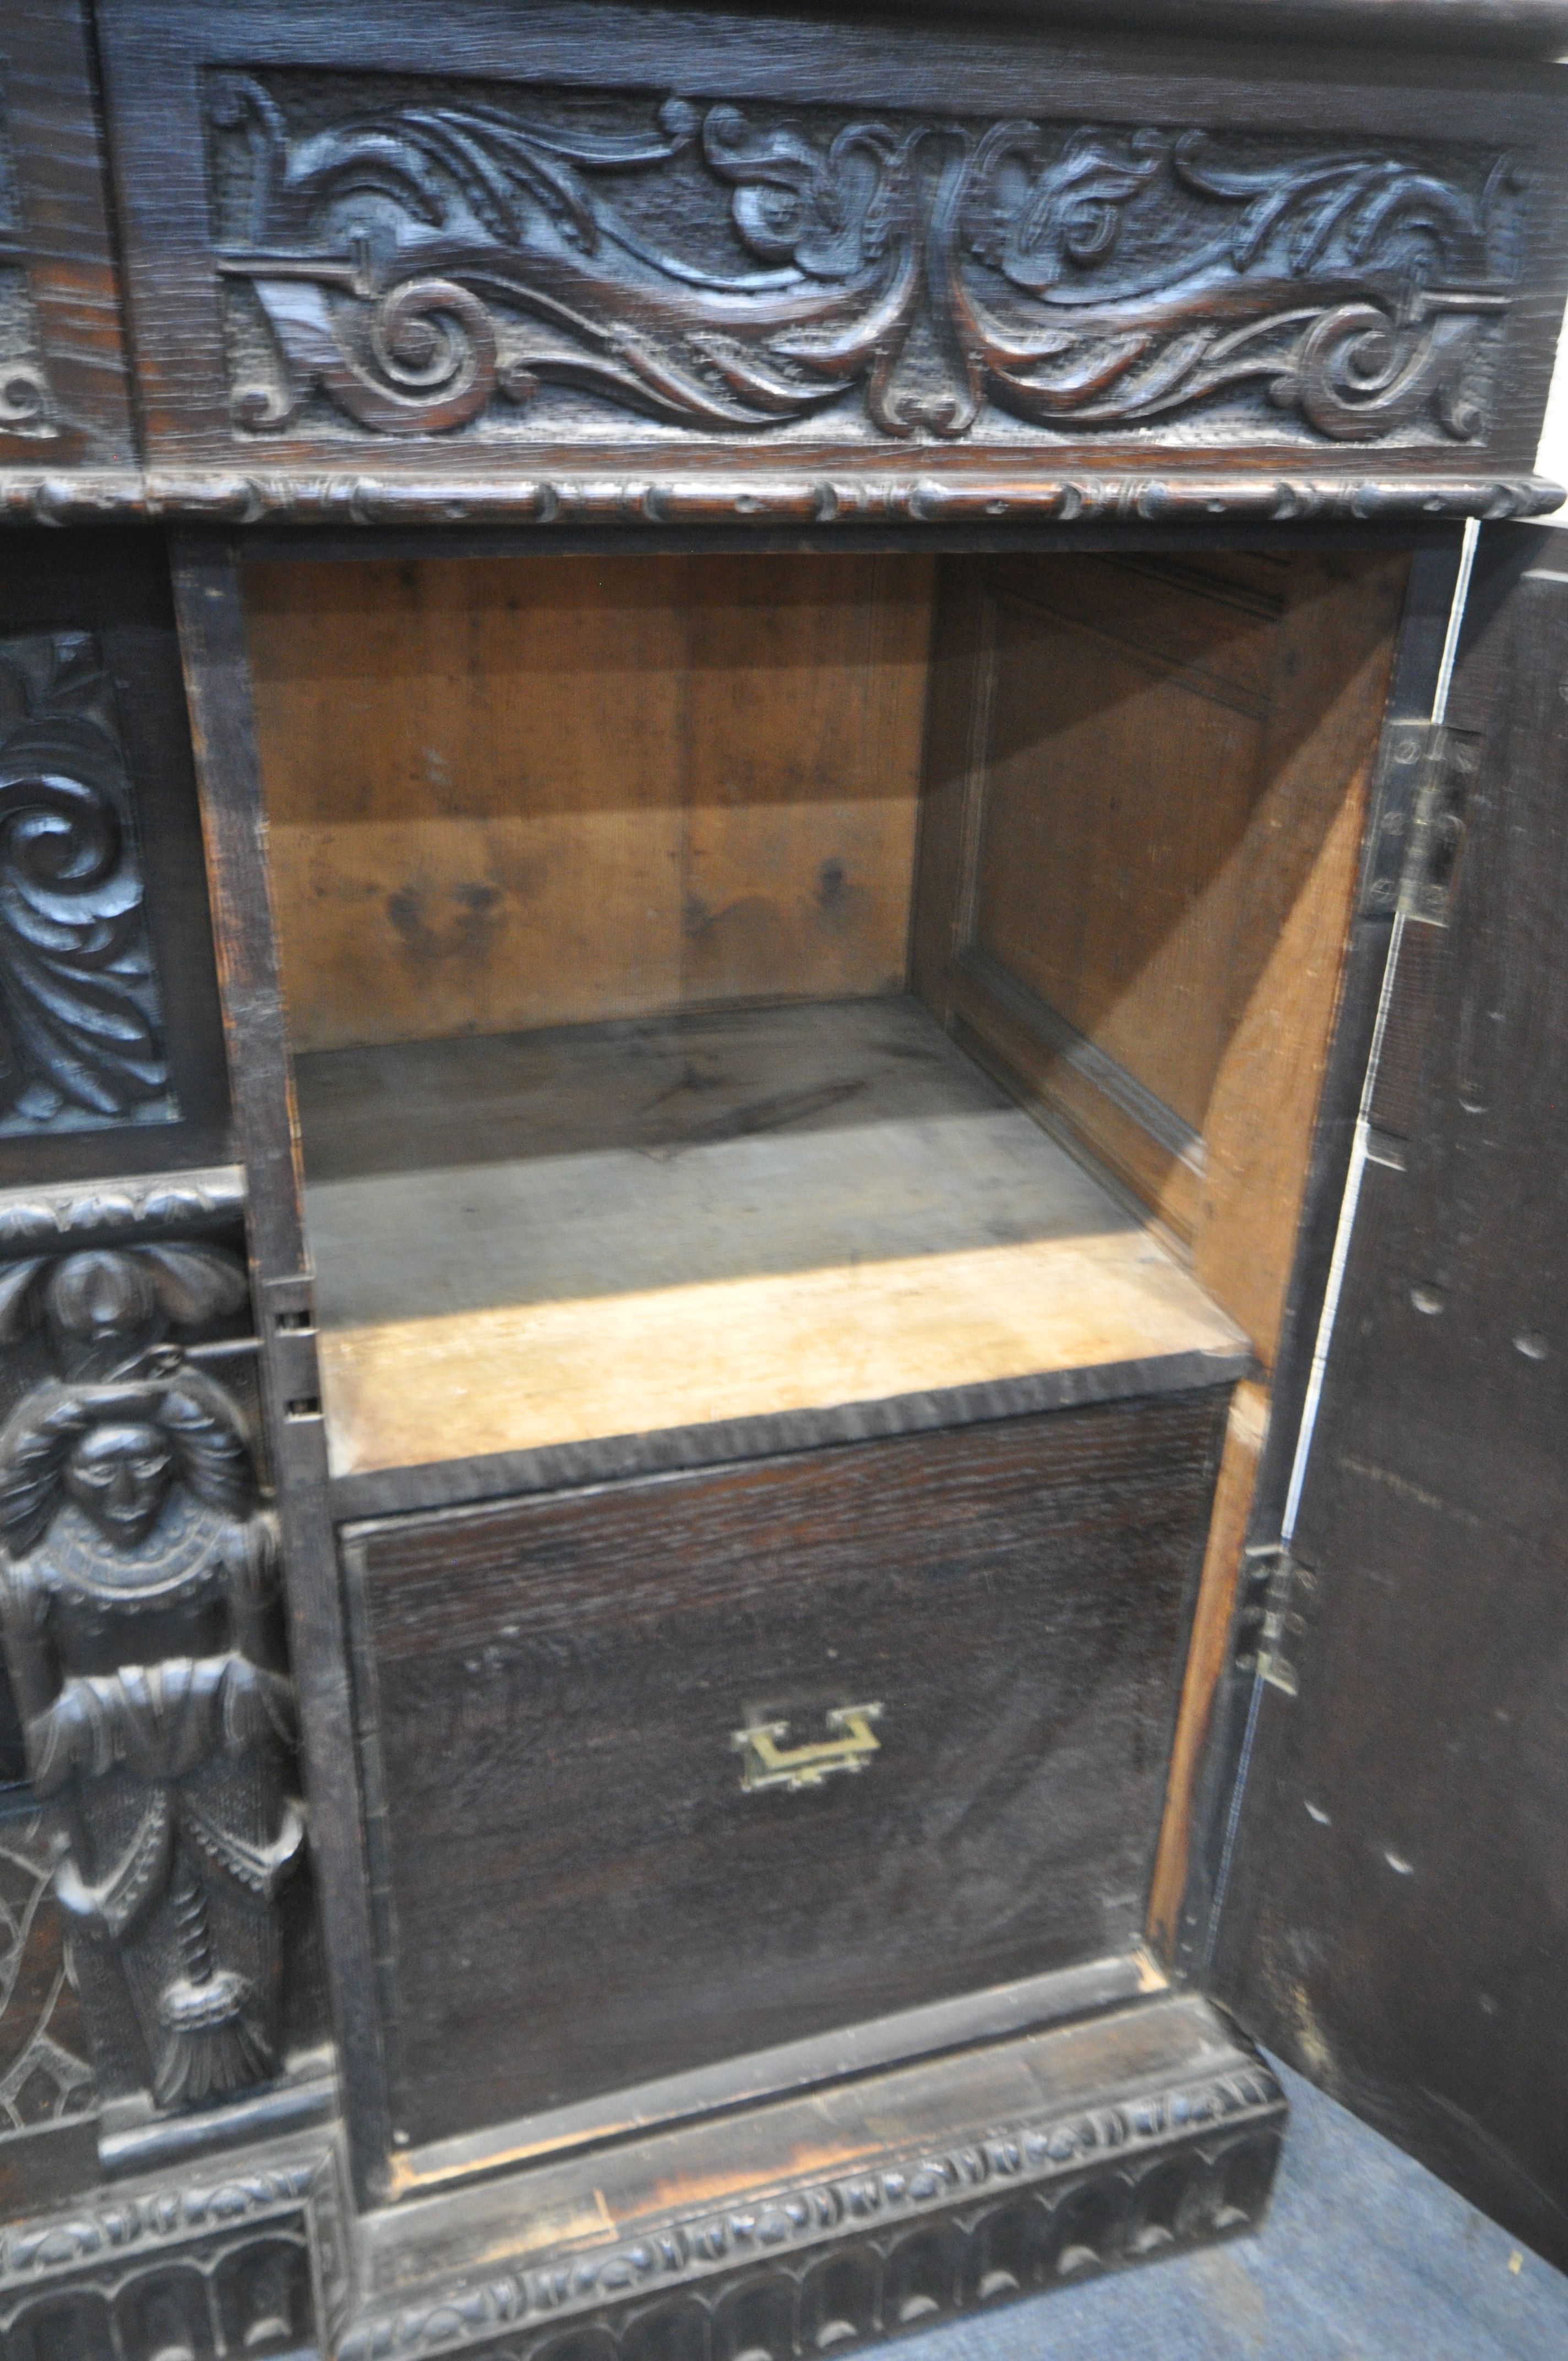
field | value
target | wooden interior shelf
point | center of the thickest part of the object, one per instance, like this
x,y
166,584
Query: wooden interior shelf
x,y
643,1227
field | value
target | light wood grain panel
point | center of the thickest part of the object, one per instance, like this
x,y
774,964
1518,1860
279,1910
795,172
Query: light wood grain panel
x,y
1122,766
507,793
733,1216
806,704
1245,1435
1147,827
523,1377
1296,878
467,770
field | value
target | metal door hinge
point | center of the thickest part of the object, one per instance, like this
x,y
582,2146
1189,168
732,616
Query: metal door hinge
x,y
1270,1619
1424,775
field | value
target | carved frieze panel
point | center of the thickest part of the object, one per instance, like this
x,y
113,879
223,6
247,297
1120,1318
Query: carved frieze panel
x,y
138,1585
493,262
81,1040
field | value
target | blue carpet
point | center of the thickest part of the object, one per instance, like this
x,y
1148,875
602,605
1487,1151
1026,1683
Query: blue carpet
x,y
1365,2257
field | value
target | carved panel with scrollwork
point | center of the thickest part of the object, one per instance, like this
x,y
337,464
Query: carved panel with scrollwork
x,y
495,261
82,1041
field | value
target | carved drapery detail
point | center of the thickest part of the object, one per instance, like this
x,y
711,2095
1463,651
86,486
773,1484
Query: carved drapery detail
x,y
139,1584
433,264
81,1026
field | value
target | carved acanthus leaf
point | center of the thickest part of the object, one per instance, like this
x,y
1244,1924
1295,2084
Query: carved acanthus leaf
x,y
80,1032
727,268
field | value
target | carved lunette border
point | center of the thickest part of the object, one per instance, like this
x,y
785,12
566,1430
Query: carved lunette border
x,y
224,2267
1026,2204
115,1207
1109,2144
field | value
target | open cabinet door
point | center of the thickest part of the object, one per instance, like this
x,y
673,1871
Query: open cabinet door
x,y
1396,1916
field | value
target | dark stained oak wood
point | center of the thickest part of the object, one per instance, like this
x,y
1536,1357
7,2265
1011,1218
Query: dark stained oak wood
x,y
681,2069
103,599
1398,1905
749,505
658,346
547,1694
212,619
65,399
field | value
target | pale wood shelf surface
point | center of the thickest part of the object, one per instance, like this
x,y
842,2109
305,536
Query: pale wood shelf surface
x,y
541,1239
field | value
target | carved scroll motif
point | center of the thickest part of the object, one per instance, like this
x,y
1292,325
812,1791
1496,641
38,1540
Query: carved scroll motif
x,y
139,1584
81,1025
426,266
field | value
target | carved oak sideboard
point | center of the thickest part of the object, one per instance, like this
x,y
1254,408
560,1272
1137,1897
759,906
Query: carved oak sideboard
x,y
720,735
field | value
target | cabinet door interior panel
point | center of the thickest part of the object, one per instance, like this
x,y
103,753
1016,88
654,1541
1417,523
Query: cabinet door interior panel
x,y
552,1693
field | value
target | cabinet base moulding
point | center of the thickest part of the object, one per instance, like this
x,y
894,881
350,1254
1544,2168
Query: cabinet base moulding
x,y
832,2218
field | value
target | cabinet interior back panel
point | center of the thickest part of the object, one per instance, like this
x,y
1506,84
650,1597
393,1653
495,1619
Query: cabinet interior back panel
x,y
508,793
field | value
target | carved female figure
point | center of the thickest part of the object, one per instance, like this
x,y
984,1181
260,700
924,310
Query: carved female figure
x,y
138,1582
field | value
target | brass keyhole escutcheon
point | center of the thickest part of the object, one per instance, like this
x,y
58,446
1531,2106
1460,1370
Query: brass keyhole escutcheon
x,y
769,1763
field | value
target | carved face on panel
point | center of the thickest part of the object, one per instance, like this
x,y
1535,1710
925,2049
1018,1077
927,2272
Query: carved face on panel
x,y
119,1476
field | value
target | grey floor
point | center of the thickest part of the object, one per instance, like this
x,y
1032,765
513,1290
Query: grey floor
x,y
1364,2257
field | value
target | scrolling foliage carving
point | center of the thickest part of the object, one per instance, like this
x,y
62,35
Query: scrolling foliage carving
x,y
444,259
80,1028
139,1584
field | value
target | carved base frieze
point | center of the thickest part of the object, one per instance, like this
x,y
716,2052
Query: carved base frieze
x,y
226,2267
258,2256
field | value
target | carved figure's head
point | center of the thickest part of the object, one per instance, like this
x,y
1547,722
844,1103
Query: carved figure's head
x,y
117,1453
119,1475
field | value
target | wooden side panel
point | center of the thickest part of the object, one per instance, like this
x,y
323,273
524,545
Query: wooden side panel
x,y
507,794
64,383
1206,1657
1138,862
1398,1909
1123,767
1298,866
550,1691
